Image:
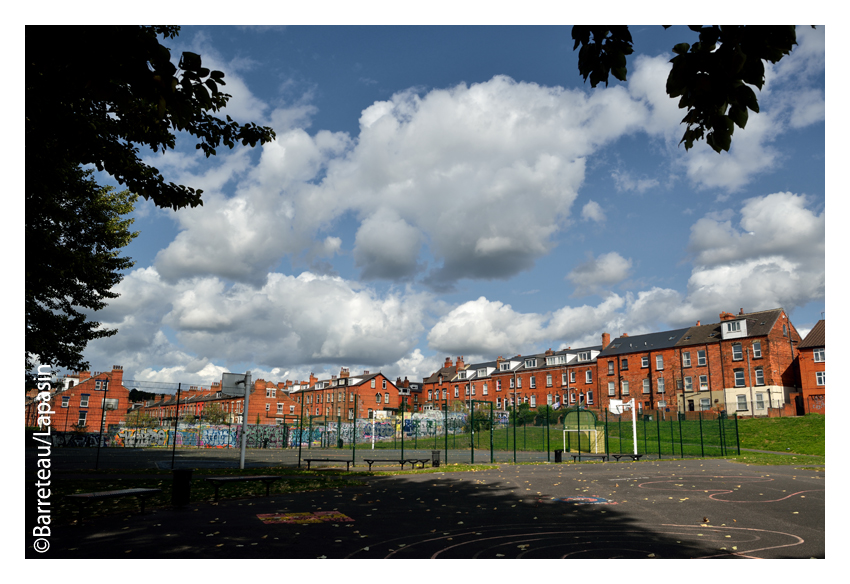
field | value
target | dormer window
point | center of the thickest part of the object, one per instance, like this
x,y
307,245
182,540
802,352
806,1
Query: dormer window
x,y
531,362
733,327
584,356
461,375
506,366
482,373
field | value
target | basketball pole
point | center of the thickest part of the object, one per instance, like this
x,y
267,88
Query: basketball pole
x,y
247,383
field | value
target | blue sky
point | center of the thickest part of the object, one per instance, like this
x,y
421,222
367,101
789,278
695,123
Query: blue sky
x,y
445,191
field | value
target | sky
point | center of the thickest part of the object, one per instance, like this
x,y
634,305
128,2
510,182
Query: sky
x,y
442,191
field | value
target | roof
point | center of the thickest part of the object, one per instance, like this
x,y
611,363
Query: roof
x,y
642,343
446,372
816,337
759,324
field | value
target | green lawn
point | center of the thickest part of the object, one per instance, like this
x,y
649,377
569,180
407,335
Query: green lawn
x,y
802,435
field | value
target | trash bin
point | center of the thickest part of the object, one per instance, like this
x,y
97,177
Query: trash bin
x,y
435,458
181,486
558,455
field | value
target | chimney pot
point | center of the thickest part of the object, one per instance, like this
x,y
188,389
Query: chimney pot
x,y
606,339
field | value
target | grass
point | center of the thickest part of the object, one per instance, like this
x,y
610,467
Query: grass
x,y
801,435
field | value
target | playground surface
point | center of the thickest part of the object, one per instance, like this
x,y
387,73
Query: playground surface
x,y
646,509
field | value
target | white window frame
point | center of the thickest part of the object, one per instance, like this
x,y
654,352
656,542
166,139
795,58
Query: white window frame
x,y
457,391
625,387
584,356
506,366
372,384
701,358
820,355
660,385
759,376
589,397
737,352
549,380
387,398
820,378
659,362
704,404
644,361
759,401
689,383
733,327
741,400
612,389
686,359
519,382
66,401
81,417
757,350
703,385
572,376
533,401
84,400
610,368
647,388
532,382
740,378
279,408
588,376
484,389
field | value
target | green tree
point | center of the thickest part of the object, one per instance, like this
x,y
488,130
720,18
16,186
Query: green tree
x,y
95,96
214,414
713,78
523,415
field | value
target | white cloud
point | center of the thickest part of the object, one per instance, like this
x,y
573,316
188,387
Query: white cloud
x,y
386,246
598,273
624,182
592,211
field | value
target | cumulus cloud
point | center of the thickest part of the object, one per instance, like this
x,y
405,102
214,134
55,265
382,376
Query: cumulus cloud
x,y
624,182
387,246
592,211
598,273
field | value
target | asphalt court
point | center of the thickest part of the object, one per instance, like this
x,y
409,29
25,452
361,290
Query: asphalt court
x,y
647,509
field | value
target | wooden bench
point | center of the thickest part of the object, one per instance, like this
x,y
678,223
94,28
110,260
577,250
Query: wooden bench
x,y
588,456
84,498
218,481
309,460
634,457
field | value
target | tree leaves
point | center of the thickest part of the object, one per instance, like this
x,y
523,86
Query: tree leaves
x,y
711,78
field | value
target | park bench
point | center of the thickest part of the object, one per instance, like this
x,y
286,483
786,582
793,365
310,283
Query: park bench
x,y
309,460
85,498
634,457
588,456
371,461
219,481
421,461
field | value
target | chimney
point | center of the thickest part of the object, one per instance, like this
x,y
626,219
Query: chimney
x,y
117,377
448,362
698,323
741,313
550,352
313,380
406,382
460,363
726,316
624,335
365,372
606,338
343,372
84,375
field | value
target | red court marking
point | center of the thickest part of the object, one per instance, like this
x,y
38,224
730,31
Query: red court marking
x,y
316,517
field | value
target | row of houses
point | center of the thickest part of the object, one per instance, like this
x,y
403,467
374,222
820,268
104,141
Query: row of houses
x,y
751,364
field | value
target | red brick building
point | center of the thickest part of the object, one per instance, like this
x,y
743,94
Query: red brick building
x,y
812,359
85,400
346,396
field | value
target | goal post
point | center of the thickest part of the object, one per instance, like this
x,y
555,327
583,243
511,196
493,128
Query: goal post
x,y
587,429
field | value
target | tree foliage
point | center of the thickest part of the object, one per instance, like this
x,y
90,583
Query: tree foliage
x,y
713,78
94,97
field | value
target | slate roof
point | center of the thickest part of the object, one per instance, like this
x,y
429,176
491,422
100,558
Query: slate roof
x,y
816,337
641,343
447,372
759,324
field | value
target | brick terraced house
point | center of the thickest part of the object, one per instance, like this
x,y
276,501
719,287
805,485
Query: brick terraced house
x,y
812,355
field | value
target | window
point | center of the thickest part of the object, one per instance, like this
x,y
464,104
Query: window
x,y
498,403
387,398
484,389
624,363
644,361
511,384
351,397
457,391
65,400
268,407
377,398
279,408
701,358
482,373
660,385
757,350
518,382
549,399
610,368
741,403
466,389
584,356
370,413
703,382
533,401
733,327
686,359
270,392
572,376
784,330
737,352
821,377
759,401
646,388
572,398
612,390
372,385
820,355
625,388
84,400
590,397
498,385
549,380
759,376
430,397
563,378
739,378
588,376
383,384
704,403
506,366
659,362
689,383
81,421
531,362
461,375
532,383
556,360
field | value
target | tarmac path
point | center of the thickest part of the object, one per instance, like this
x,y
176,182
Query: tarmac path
x,y
646,509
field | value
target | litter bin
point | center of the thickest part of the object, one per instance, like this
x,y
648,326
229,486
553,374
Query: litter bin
x,y
558,455
435,458
181,486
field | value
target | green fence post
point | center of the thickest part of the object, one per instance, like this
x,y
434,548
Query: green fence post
x,y
658,433
737,438
672,440
645,447
578,411
720,427
701,446
514,431
492,419
446,428
620,430
353,432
